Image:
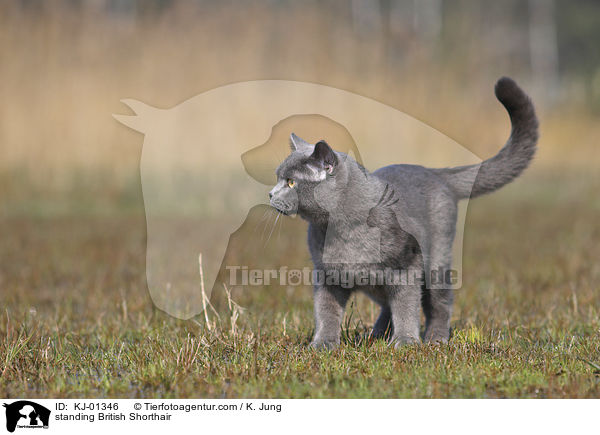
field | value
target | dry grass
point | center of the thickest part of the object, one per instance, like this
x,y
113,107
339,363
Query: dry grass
x,y
77,320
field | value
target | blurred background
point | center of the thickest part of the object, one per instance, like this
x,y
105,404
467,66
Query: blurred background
x,y
66,64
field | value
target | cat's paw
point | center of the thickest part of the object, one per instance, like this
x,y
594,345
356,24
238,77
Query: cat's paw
x,y
439,335
324,344
404,340
437,339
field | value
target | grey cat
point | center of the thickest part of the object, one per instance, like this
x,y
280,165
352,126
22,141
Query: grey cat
x,y
400,217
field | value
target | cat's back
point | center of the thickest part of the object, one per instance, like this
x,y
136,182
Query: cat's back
x,y
401,172
411,177
419,189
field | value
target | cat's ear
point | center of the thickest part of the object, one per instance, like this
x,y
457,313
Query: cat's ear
x,y
299,144
325,155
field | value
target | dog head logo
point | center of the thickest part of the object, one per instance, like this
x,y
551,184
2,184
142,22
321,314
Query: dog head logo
x,y
26,414
207,162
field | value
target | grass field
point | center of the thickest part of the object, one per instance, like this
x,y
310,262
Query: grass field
x,y
76,317
77,320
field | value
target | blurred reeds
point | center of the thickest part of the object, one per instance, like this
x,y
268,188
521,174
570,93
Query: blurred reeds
x,y
66,65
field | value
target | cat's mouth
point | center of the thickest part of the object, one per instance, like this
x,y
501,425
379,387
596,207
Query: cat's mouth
x,y
283,208
291,213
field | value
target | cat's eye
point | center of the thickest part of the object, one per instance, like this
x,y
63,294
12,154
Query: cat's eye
x,y
291,183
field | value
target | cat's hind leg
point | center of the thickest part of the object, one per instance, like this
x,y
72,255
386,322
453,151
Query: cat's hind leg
x,y
438,295
383,327
437,306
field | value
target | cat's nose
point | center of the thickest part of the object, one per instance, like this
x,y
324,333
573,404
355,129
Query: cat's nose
x,y
270,195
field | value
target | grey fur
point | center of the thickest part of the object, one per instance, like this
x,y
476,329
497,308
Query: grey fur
x,y
401,217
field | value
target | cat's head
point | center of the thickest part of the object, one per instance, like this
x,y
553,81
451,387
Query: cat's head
x,y
310,181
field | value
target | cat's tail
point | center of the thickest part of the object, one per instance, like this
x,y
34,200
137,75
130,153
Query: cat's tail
x,y
474,180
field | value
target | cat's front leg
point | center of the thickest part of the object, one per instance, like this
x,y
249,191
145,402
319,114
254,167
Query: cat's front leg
x,y
329,311
405,304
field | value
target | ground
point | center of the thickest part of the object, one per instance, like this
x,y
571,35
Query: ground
x,y
77,320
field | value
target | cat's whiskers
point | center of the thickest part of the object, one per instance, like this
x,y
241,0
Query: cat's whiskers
x,y
279,233
267,222
273,227
262,219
